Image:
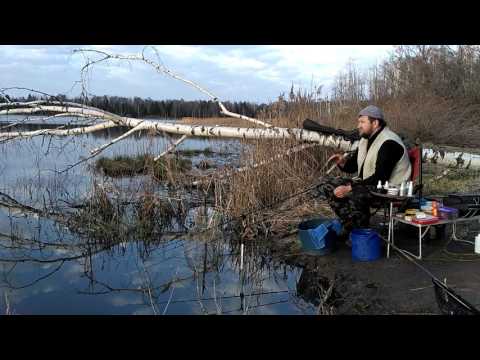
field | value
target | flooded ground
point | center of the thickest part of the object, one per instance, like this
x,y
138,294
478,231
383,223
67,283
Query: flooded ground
x,y
47,268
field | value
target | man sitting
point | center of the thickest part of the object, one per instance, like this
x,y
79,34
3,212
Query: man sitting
x,y
381,156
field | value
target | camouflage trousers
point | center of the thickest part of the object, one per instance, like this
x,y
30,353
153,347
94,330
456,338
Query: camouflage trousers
x,y
354,209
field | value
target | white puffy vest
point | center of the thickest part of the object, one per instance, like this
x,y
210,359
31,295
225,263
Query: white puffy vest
x,y
402,170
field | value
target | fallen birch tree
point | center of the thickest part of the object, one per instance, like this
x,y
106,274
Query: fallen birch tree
x,y
104,120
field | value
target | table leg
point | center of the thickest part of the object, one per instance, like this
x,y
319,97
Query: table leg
x,y
393,225
390,230
454,235
420,237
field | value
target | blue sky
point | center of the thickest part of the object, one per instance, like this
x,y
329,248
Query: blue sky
x,y
235,73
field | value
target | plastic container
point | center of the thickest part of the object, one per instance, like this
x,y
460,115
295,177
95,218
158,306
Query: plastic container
x,y
410,188
435,208
448,213
319,235
366,245
426,221
426,208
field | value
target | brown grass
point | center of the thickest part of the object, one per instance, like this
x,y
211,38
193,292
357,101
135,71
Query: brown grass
x,y
265,187
212,121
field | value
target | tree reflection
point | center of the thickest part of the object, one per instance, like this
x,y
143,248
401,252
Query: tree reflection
x,y
207,263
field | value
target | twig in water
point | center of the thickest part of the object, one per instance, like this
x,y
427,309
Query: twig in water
x,y
171,294
219,309
7,305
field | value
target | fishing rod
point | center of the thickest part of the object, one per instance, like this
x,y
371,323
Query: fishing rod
x,y
436,282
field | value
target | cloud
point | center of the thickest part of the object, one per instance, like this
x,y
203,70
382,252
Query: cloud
x,y
322,62
237,73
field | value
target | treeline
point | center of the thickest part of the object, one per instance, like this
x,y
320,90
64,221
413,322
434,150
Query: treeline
x,y
165,109
431,93
449,72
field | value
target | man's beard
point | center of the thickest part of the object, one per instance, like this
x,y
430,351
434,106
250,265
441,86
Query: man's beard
x,y
368,136
365,136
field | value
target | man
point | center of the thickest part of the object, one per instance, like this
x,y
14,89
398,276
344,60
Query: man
x,y
381,155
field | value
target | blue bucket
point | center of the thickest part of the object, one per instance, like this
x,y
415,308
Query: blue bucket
x,y
366,245
319,235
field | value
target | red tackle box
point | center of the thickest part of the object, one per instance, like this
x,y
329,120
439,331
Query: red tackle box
x,y
426,221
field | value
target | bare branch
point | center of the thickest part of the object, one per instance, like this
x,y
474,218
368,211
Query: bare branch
x,y
58,132
45,119
160,68
98,150
171,147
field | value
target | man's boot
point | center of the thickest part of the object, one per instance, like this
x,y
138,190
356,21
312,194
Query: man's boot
x,y
345,234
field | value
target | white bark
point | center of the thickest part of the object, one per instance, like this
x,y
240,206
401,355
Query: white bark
x,y
78,111
171,147
224,111
58,132
45,119
455,159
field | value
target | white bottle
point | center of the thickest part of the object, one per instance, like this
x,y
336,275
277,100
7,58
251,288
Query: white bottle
x,y
477,244
386,185
410,188
379,185
402,189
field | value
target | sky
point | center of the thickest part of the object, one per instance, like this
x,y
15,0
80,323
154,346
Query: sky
x,y
234,73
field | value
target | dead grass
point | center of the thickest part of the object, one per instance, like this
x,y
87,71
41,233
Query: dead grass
x,y
195,152
164,169
152,216
221,121
100,218
265,187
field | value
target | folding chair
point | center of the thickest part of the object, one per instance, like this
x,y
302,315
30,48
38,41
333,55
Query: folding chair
x,y
415,156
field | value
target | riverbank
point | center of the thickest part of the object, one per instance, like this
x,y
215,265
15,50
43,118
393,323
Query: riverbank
x,y
386,286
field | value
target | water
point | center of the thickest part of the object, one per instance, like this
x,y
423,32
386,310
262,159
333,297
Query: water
x,y
47,269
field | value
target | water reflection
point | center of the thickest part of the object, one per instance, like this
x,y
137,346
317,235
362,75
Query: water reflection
x,y
194,276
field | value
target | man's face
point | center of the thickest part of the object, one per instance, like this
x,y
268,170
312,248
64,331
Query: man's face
x,y
365,127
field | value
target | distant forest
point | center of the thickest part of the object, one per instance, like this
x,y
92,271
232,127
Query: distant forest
x,y
166,109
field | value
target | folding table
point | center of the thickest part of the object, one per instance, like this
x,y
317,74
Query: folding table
x,y
422,228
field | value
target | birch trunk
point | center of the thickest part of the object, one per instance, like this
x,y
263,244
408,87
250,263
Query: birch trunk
x,y
436,155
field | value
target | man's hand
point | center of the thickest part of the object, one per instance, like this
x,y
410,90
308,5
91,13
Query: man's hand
x,y
342,191
338,158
